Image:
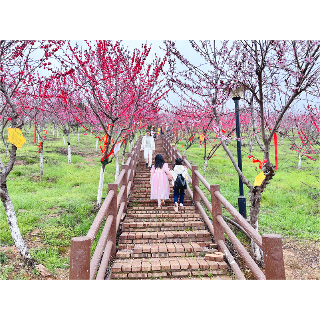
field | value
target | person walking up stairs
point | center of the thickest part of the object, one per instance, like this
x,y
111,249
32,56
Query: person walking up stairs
x,y
162,243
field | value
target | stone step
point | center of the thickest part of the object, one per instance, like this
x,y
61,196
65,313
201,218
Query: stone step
x,y
166,250
167,268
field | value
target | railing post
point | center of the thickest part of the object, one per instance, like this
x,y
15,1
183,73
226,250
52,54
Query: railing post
x,y
125,183
218,232
195,183
273,257
184,158
112,210
80,258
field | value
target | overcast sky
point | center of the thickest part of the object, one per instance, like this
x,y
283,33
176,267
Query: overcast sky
x,y
183,45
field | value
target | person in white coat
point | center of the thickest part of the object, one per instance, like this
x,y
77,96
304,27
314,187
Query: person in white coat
x,y
148,146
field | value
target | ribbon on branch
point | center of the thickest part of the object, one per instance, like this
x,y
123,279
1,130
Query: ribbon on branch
x,y
261,163
276,149
35,132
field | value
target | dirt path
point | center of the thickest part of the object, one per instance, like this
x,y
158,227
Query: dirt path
x,y
301,259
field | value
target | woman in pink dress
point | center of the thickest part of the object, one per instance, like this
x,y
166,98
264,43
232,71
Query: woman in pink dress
x,y
160,189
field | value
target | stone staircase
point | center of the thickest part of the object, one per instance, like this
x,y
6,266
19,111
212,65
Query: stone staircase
x,y
164,244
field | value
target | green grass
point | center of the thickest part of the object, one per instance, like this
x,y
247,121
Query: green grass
x,y
289,204
62,203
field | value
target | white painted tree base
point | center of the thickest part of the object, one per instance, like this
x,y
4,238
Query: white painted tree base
x,y
116,156
69,154
100,188
14,228
41,163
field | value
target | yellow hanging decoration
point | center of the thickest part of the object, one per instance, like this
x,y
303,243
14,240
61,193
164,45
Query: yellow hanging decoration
x,y
16,137
259,178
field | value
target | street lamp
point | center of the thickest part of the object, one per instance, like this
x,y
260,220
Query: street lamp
x,y
236,96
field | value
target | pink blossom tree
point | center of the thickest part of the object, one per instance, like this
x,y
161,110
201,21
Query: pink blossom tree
x,y
276,75
118,89
17,75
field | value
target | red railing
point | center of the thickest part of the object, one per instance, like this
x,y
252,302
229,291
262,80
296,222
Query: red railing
x,y
113,208
270,244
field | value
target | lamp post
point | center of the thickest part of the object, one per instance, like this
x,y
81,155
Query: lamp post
x,y
236,96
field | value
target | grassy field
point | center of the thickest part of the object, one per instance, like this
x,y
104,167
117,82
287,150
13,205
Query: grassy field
x,y
289,204
61,205
58,207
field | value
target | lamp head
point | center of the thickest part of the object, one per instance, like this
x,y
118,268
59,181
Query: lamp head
x,y
238,93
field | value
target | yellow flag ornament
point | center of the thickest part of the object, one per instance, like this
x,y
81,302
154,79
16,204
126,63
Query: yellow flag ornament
x,y
16,137
259,178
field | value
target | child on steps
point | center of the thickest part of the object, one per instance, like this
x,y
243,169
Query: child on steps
x,y
179,182
160,189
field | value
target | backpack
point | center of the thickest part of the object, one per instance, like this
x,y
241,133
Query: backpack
x,y
180,182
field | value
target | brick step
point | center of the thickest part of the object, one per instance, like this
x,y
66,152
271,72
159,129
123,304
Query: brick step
x,y
138,219
163,228
184,209
165,250
169,212
164,225
167,268
146,198
146,195
201,241
166,237
154,210
155,202
146,187
165,217
158,224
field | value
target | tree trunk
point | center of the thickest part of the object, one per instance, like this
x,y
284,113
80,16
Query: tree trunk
x,y
57,132
41,160
124,152
69,148
100,188
255,199
64,140
13,224
184,152
116,156
299,164
205,164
